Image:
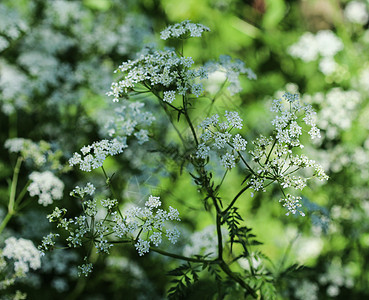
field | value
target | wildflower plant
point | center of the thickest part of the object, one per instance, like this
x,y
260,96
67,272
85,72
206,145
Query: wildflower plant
x,y
177,85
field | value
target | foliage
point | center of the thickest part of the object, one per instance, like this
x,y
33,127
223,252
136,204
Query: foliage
x,y
177,181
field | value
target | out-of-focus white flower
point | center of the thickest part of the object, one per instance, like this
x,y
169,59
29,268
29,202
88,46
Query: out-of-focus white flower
x,y
309,47
327,65
204,242
24,254
328,43
46,186
306,290
306,48
356,12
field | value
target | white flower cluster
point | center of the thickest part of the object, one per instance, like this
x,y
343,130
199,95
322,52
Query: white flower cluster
x,y
46,186
148,222
12,85
231,70
48,242
356,12
24,254
292,204
338,109
288,131
127,121
183,30
159,71
94,155
11,26
324,43
85,269
89,189
39,153
143,225
217,136
274,155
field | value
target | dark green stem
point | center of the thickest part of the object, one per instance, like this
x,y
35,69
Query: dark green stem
x,y
196,260
236,197
236,277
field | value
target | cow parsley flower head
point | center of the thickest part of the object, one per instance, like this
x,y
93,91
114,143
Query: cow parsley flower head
x,y
183,30
89,189
153,202
142,246
163,71
217,137
46,186
24,254
289,108
356,12
169,96
149,222
94,155
292,204
48,243
85,269
172,235
338,110
228,161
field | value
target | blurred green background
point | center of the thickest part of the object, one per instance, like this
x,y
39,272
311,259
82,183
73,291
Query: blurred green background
x,y
56,64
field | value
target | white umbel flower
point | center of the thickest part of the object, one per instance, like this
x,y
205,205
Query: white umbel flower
x,y
24,254
46,186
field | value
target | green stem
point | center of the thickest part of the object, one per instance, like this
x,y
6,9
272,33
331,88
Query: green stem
x,y
13,190
22,193
13,187
236,277
270,152
5,221
190,123
197,260
236,197
219,235
108,183
245,162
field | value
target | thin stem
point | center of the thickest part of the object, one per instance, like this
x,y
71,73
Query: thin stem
x,y
245,162
5,221
285,255
221,182
236,197
22,193
191,259
108,183
13,188
189,121
219,235
270,152
236,277
116,242
171,121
